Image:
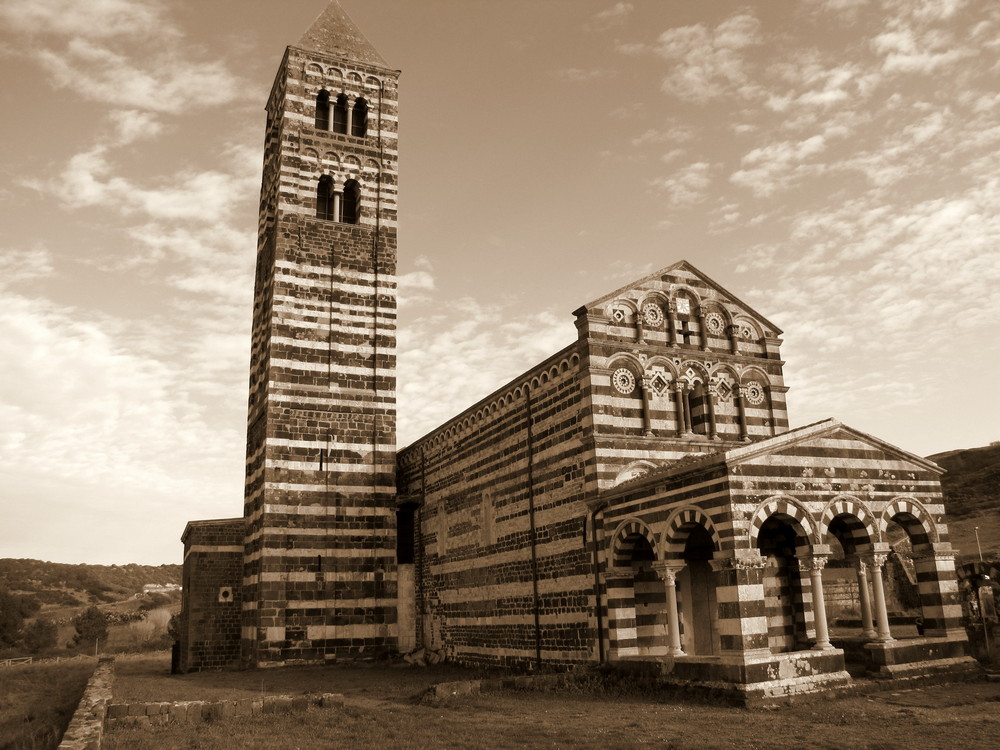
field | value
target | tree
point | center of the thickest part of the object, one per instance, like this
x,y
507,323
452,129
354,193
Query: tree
x,y
13,610
91,626
40,635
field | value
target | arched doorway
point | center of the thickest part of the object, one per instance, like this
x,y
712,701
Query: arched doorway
x,y
697,600
780,541
636,597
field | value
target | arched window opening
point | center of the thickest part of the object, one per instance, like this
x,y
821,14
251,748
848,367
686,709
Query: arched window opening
x,y
325,199
323,110
340,115
351,205
359,118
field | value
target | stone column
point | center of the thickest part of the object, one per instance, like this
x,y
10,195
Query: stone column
x,y
702,334
740,395
734,338
350,114
647,420
679,399
712,431
337,206
883,633
867,627
815,565
640,328
671,326
668,574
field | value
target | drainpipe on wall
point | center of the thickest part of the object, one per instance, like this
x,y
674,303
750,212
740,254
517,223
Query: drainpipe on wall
x,y
534,534
597,585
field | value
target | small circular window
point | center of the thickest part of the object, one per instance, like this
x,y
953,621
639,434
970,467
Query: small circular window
x,y
652,314
754,393
715,323
623,380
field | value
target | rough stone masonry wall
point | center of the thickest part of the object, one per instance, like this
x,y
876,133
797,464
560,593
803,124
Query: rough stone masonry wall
x,y
478,479
319,564
211,595
197,712
87,725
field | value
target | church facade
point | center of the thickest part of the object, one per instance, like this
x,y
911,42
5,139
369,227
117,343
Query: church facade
x,y
636,496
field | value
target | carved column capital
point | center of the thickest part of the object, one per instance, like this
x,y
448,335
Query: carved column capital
x,y
667,570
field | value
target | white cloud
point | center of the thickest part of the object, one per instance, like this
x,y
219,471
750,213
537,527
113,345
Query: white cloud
x,y
207,196
775,167
161,80
707,64
20,266
94,19
686,186
462,352
613,16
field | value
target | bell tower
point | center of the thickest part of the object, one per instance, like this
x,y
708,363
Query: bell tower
x,y
319,578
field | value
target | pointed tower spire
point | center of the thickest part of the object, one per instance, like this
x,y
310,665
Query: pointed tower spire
x,y
334,33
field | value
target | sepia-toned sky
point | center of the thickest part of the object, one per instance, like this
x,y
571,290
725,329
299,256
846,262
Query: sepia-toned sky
x,y
834,163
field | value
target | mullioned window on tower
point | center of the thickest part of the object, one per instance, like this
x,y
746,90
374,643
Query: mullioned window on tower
x,y
344,207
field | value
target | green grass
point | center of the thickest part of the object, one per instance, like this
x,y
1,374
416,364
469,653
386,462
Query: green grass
x,y
913,719
38,700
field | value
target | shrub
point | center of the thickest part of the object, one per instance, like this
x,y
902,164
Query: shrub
x,y
39,635
91,626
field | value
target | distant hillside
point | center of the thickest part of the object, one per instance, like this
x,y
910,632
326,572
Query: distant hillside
x,y
71,585
972,484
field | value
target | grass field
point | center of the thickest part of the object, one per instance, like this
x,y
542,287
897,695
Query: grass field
x,y
37,702
380,712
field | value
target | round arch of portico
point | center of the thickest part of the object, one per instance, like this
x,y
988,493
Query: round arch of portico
x,y
620,553
864,532
910,507
789,507
633,470
675,536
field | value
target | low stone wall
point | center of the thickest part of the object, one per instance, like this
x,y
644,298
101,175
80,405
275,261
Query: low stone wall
x,y
87,725
196,712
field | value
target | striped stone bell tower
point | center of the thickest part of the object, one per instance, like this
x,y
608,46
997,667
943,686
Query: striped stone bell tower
x,y
319,580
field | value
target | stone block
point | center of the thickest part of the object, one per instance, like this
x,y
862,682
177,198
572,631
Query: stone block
x,y
117,710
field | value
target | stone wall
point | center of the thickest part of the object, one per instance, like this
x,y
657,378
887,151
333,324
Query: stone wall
x,y
196,712
212,594
87,725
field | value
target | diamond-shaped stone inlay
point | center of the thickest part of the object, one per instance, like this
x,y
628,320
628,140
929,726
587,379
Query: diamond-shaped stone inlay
x,y
659,383
724,390
618,315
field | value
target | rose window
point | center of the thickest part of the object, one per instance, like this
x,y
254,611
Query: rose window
x,y
652,314
715,323
754,394
623,380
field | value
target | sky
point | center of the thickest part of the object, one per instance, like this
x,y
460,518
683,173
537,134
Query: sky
x,y
833,163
